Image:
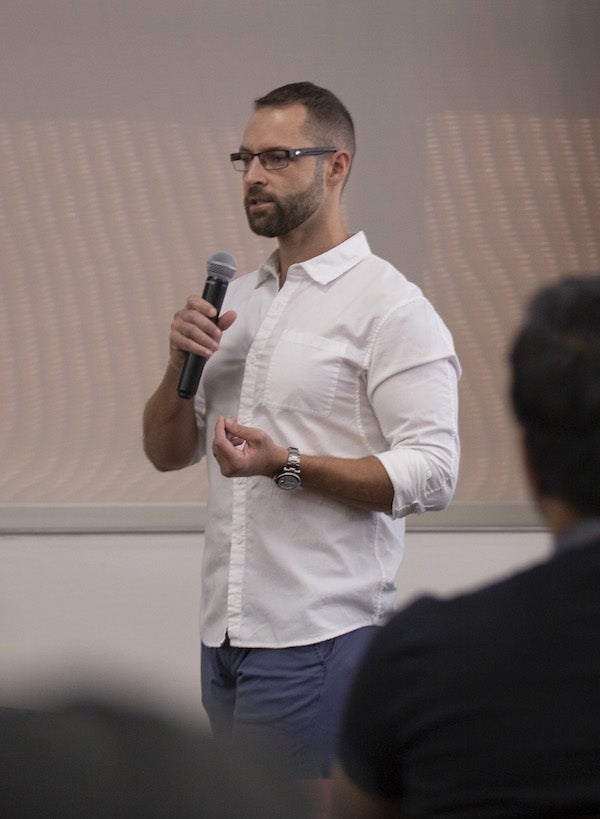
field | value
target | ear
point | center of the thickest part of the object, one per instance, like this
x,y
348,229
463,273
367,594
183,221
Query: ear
x,y
338,167
531,475
528,467
557,513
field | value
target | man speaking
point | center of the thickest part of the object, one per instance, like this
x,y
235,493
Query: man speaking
x,y
327,410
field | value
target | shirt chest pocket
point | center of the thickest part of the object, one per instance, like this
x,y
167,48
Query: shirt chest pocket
x,y
304,372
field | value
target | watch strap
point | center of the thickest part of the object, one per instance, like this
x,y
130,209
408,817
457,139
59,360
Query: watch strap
x,y
289,476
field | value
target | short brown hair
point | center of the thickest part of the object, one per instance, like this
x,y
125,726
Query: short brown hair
x,y
329,121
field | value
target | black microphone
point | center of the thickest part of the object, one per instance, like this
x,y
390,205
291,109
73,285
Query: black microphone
x,y
220,268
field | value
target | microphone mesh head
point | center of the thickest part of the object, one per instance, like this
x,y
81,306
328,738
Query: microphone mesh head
x,y
222,265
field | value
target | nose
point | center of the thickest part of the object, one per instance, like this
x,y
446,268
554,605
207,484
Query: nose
x,y
255,173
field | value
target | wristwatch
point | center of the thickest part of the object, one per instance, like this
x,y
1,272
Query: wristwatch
x,y
289,477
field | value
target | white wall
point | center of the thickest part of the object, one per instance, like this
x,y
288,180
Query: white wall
x,y
120,611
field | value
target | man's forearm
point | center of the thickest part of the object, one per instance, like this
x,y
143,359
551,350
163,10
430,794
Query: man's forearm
x,y
169,424
358,482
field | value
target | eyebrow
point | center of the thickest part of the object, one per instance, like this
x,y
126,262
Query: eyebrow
x,y
244,149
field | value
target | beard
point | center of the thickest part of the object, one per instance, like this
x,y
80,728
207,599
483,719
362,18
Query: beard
x,y
285,214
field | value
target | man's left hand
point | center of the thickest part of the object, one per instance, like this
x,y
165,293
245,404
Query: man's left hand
x,y
243,451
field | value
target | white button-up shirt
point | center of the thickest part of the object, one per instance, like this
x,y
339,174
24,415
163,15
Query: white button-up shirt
x,y
347,359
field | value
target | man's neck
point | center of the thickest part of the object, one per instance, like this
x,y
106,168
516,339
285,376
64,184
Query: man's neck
x,y
295,248
559,515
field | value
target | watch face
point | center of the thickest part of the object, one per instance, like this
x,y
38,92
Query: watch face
x,y
288,481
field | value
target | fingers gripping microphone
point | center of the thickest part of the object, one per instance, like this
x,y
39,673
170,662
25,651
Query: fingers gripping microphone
x,y
220,270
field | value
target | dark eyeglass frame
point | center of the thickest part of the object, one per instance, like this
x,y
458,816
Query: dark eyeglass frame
x,y
282,161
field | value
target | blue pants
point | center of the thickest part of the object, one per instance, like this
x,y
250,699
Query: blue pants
x,y
291,698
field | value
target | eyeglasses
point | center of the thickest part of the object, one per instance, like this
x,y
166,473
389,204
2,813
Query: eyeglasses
x,y
274,159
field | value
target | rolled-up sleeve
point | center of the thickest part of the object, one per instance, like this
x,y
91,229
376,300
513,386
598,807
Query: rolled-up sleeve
x,y
413,389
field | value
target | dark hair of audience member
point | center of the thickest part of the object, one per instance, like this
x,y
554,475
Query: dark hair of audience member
x,y
556,390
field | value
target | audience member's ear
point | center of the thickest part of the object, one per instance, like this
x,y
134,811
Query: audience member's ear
x,y
528,467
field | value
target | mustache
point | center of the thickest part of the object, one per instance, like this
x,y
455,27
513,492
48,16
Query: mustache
x,y
258,193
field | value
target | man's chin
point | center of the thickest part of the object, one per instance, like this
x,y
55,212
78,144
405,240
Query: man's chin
x,y
261,228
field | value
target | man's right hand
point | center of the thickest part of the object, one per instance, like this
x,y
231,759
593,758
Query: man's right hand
x,y
194,330
170,431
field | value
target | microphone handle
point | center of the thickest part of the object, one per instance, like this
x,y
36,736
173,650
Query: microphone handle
x,y
193,365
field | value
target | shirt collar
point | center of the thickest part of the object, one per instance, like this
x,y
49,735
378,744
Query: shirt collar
x,y
581,534
269,269
326,267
